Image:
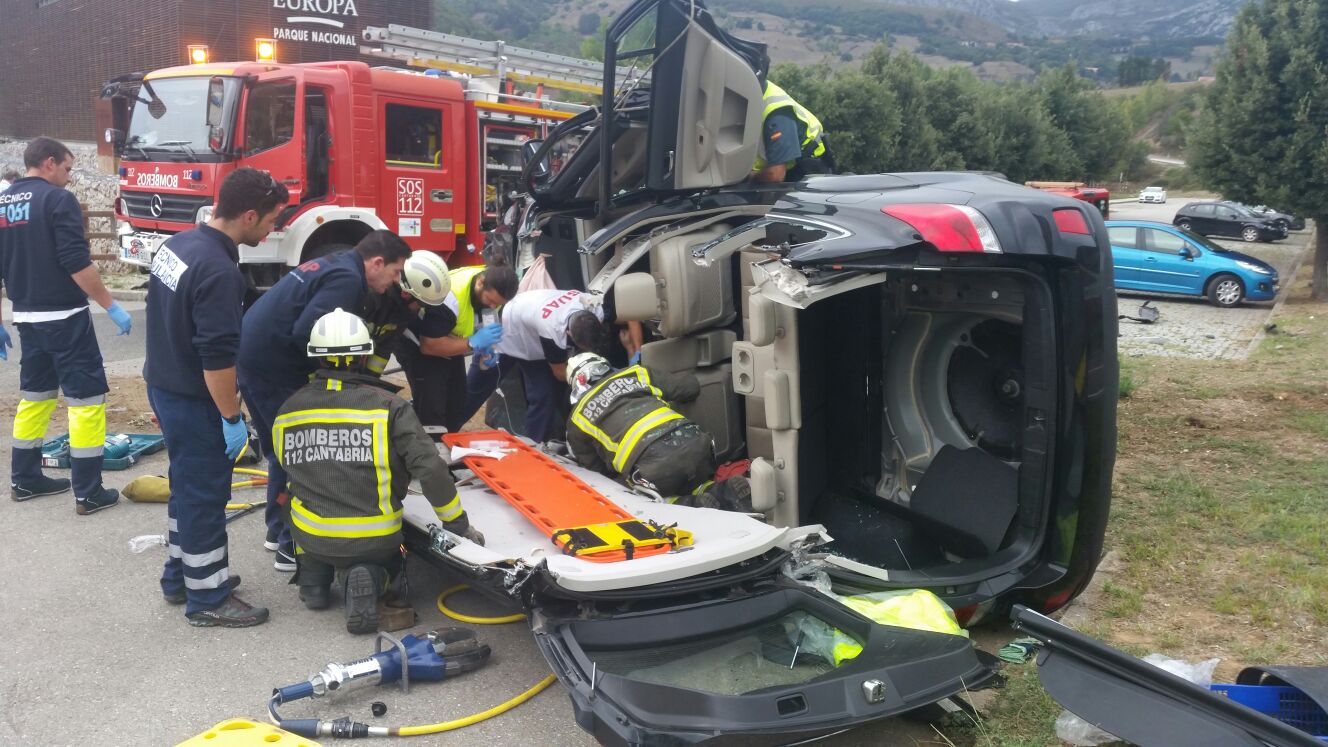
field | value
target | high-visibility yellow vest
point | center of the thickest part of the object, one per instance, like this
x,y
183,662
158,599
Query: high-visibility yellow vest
x,y
462,285
776,98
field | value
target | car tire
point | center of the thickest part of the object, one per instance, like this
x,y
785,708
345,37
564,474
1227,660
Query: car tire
x,y
1249,233
1183,225
1226,291
1282,226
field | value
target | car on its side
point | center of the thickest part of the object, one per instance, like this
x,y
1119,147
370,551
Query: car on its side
x,y
1158,258
1153,194
1221,218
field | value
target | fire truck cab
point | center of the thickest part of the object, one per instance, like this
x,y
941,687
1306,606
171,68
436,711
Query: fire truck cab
x,y
359,148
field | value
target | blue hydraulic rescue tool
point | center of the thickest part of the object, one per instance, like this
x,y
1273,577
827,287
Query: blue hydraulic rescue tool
x,y
433,657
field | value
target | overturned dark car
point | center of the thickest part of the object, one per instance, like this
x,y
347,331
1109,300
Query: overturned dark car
x,y
920,367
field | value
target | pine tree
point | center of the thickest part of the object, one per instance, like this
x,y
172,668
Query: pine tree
x,y
1262,136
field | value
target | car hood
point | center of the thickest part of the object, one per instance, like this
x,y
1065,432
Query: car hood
x,y
1235,256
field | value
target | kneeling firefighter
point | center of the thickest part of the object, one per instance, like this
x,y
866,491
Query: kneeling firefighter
x,y
622,426
350,447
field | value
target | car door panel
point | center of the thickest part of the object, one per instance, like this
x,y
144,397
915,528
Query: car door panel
x,y
1162,268
1125,256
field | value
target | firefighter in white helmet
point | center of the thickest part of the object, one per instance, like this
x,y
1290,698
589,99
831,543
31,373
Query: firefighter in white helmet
x,y
350,447
421,326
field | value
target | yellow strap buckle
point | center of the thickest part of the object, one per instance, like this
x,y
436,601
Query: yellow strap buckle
x,y
627,536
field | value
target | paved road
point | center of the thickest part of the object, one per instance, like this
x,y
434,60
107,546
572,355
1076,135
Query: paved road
x,y
123,353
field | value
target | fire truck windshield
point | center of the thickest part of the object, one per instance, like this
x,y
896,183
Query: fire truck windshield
x,y
170,121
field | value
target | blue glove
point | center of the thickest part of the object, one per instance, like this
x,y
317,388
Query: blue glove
x,y
486,337
635,359
4,343
120,317
236,435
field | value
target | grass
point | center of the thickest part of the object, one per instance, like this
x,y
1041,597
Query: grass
x,y
1219,516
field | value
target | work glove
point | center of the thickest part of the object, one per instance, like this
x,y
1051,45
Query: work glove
x,y
635,359
463,528
120,317
486,337
236,435
5,344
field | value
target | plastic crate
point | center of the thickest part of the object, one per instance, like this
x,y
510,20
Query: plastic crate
x,y
1286,704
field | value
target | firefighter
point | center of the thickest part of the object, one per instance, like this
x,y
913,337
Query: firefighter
x,y
622,426
195,299
541,328
431,339
46,268
350,447
272,361
792,142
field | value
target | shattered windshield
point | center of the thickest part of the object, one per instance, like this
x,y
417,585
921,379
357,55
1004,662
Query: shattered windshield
x,y
170,120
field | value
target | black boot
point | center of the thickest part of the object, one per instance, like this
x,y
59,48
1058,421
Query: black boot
x,y
364,585
233,613
39,487
317,597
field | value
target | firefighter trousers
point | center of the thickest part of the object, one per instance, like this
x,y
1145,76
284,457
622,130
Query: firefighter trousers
x,y
437,386
61,354
677,462
265,399
200,479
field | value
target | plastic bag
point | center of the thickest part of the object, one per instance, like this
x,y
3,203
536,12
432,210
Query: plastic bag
x,y
1074,730
144,542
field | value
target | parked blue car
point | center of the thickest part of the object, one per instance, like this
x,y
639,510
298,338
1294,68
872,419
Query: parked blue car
x,y
1160,258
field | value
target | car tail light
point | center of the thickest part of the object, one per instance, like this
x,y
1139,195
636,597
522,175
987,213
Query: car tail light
x,y
949,228
1070,220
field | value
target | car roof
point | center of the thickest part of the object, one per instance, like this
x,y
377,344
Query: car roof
x,y
1140,224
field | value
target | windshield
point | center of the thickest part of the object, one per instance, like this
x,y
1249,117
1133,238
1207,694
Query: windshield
x,y
170,120
1203,241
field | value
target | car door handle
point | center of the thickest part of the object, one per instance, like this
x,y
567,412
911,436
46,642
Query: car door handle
x,y
1149,259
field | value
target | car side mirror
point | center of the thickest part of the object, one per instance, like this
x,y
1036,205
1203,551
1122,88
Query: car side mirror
x,y
1186,253
536,167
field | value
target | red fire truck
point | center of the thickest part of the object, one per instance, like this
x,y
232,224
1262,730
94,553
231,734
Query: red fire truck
x,y
1098,197
427,154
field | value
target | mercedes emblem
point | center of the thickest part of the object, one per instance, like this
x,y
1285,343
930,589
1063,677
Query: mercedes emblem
x,y
156,206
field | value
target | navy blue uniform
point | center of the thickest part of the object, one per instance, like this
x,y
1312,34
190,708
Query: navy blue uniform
x,y
437,385
41,247
273,361
193,320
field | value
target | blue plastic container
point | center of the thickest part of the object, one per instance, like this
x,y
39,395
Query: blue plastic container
x,y
1286,704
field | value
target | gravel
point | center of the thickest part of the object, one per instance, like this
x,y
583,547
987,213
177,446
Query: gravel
x,y
1191,327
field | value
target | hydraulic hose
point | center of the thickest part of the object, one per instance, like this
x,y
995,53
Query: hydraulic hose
x,y
251,471
471,618
414,731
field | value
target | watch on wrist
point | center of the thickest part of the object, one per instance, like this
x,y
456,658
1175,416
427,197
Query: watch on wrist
x,y
235,418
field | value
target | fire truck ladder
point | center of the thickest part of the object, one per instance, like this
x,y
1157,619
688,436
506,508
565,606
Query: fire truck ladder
x,y
435,49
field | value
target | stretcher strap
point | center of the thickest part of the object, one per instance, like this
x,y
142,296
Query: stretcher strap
x,y
627,536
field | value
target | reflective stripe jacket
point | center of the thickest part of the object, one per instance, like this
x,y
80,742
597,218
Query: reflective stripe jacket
x,y
623,414
463,284
351,446
776,98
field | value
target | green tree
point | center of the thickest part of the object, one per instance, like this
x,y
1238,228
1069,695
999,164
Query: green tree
x,y
1262,134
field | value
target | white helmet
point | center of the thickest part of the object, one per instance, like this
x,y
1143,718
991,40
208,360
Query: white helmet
x,y
583,371
424,276
339,333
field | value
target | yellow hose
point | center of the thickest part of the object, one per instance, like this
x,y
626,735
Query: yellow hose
x,y
415,731
475,718
470,618
250,471
240,506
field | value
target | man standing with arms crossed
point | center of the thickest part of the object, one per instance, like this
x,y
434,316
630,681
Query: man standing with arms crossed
x,y
193,318
46,267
